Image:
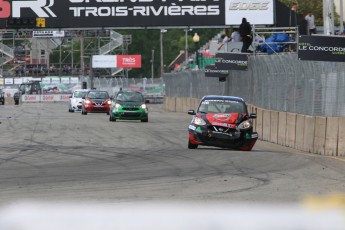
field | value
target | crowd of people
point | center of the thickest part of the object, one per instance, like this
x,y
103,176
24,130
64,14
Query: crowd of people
x,y
43,69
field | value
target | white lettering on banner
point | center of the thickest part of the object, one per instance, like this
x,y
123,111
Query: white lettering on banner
x,y
253,5
259,12
173,10
40,7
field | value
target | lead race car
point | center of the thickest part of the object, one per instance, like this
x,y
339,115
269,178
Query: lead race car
x,y
222,121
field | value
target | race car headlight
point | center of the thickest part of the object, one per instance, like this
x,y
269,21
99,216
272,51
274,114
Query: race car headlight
x,y
87,101
109,102
74,100
198,121
143,106
245,125
117,106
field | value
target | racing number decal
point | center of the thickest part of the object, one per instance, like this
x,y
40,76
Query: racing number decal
x,y
5,9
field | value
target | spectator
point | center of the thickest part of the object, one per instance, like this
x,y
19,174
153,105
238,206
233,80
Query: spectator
x,y
311,23
225,40
259,40
246,37
235,36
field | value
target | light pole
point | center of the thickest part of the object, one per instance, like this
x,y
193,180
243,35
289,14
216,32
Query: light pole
x,y
196,39
186,45
161,43
152,61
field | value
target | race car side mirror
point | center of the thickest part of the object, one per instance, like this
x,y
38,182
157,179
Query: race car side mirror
x,y
83,98
191,112
252,115
70,96
147,101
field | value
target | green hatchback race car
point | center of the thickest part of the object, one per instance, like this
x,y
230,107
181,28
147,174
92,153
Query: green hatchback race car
x,y
129,105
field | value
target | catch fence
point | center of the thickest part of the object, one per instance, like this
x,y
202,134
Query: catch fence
x,y
277,82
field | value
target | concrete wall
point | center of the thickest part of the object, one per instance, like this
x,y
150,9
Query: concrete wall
x,y
314,134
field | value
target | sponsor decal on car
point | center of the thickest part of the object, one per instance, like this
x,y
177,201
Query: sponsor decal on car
x,y
192,127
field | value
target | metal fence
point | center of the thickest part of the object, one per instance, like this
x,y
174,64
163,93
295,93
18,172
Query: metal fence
x,y
278,82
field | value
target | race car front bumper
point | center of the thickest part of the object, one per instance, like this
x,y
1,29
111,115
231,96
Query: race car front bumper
x,y
238,139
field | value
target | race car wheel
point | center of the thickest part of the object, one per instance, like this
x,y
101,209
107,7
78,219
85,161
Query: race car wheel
x,y
83,112
192,146
145,120
16,102
70,110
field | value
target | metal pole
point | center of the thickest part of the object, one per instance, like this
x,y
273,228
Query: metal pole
x,y
161,43
341,16
152,61
82,65
186,51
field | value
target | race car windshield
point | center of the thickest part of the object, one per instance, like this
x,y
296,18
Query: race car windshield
x,y
130,97
98,95
79,94
221,106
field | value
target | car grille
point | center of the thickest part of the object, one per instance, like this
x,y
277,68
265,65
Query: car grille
x,y
130,108
99,109
130,114
222,129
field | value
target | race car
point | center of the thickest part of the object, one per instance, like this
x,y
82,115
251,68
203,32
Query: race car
x,y
75,100
96,101
129,105
222,121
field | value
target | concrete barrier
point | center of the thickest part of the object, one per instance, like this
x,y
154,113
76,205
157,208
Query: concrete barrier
x,y
309,134
299,138
290,129
178,104
274,127
259,122
331,144
266,125
320,135
9,101
282,128
341,137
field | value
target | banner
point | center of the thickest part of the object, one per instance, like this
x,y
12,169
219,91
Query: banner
x,y
259,12
128,61
116,61
321,48
231,61
212,71
116,13
47,34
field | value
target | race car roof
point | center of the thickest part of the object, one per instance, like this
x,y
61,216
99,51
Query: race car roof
x,y
219,97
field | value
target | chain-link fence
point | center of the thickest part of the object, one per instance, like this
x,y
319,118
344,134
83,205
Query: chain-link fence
x,y
277,82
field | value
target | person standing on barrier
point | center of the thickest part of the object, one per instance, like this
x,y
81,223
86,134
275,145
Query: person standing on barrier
x,y
246,37
311,23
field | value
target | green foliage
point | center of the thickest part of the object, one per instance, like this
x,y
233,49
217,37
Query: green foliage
x,y
314,6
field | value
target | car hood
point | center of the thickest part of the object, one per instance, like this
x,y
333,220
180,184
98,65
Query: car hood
x,y
98,101
130,103
227,118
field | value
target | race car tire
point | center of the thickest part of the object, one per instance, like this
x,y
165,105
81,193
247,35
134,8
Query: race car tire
x,y
83,112
71,110
3,102
192,146
16,102
145,120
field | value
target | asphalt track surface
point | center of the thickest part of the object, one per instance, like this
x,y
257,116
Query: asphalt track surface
x,y
49,154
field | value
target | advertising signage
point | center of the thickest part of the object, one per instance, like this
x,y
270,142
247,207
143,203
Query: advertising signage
x,y
259,12
321,48
116,13
231,61
212,71
116,61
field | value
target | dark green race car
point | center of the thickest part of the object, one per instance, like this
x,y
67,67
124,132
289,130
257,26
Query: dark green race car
x,y
129,105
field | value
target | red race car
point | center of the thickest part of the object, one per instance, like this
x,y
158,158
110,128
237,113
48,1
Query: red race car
x,y
96,101
222,121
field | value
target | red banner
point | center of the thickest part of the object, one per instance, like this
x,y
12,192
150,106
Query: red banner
x,y
128,61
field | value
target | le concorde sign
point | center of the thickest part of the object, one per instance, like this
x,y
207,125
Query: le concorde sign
x,y
321,48
137,13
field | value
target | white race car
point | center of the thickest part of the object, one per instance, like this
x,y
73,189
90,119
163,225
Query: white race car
x,y
75,100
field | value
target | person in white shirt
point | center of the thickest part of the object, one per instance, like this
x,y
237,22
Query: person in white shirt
x,y
225,40
235,36
311,23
